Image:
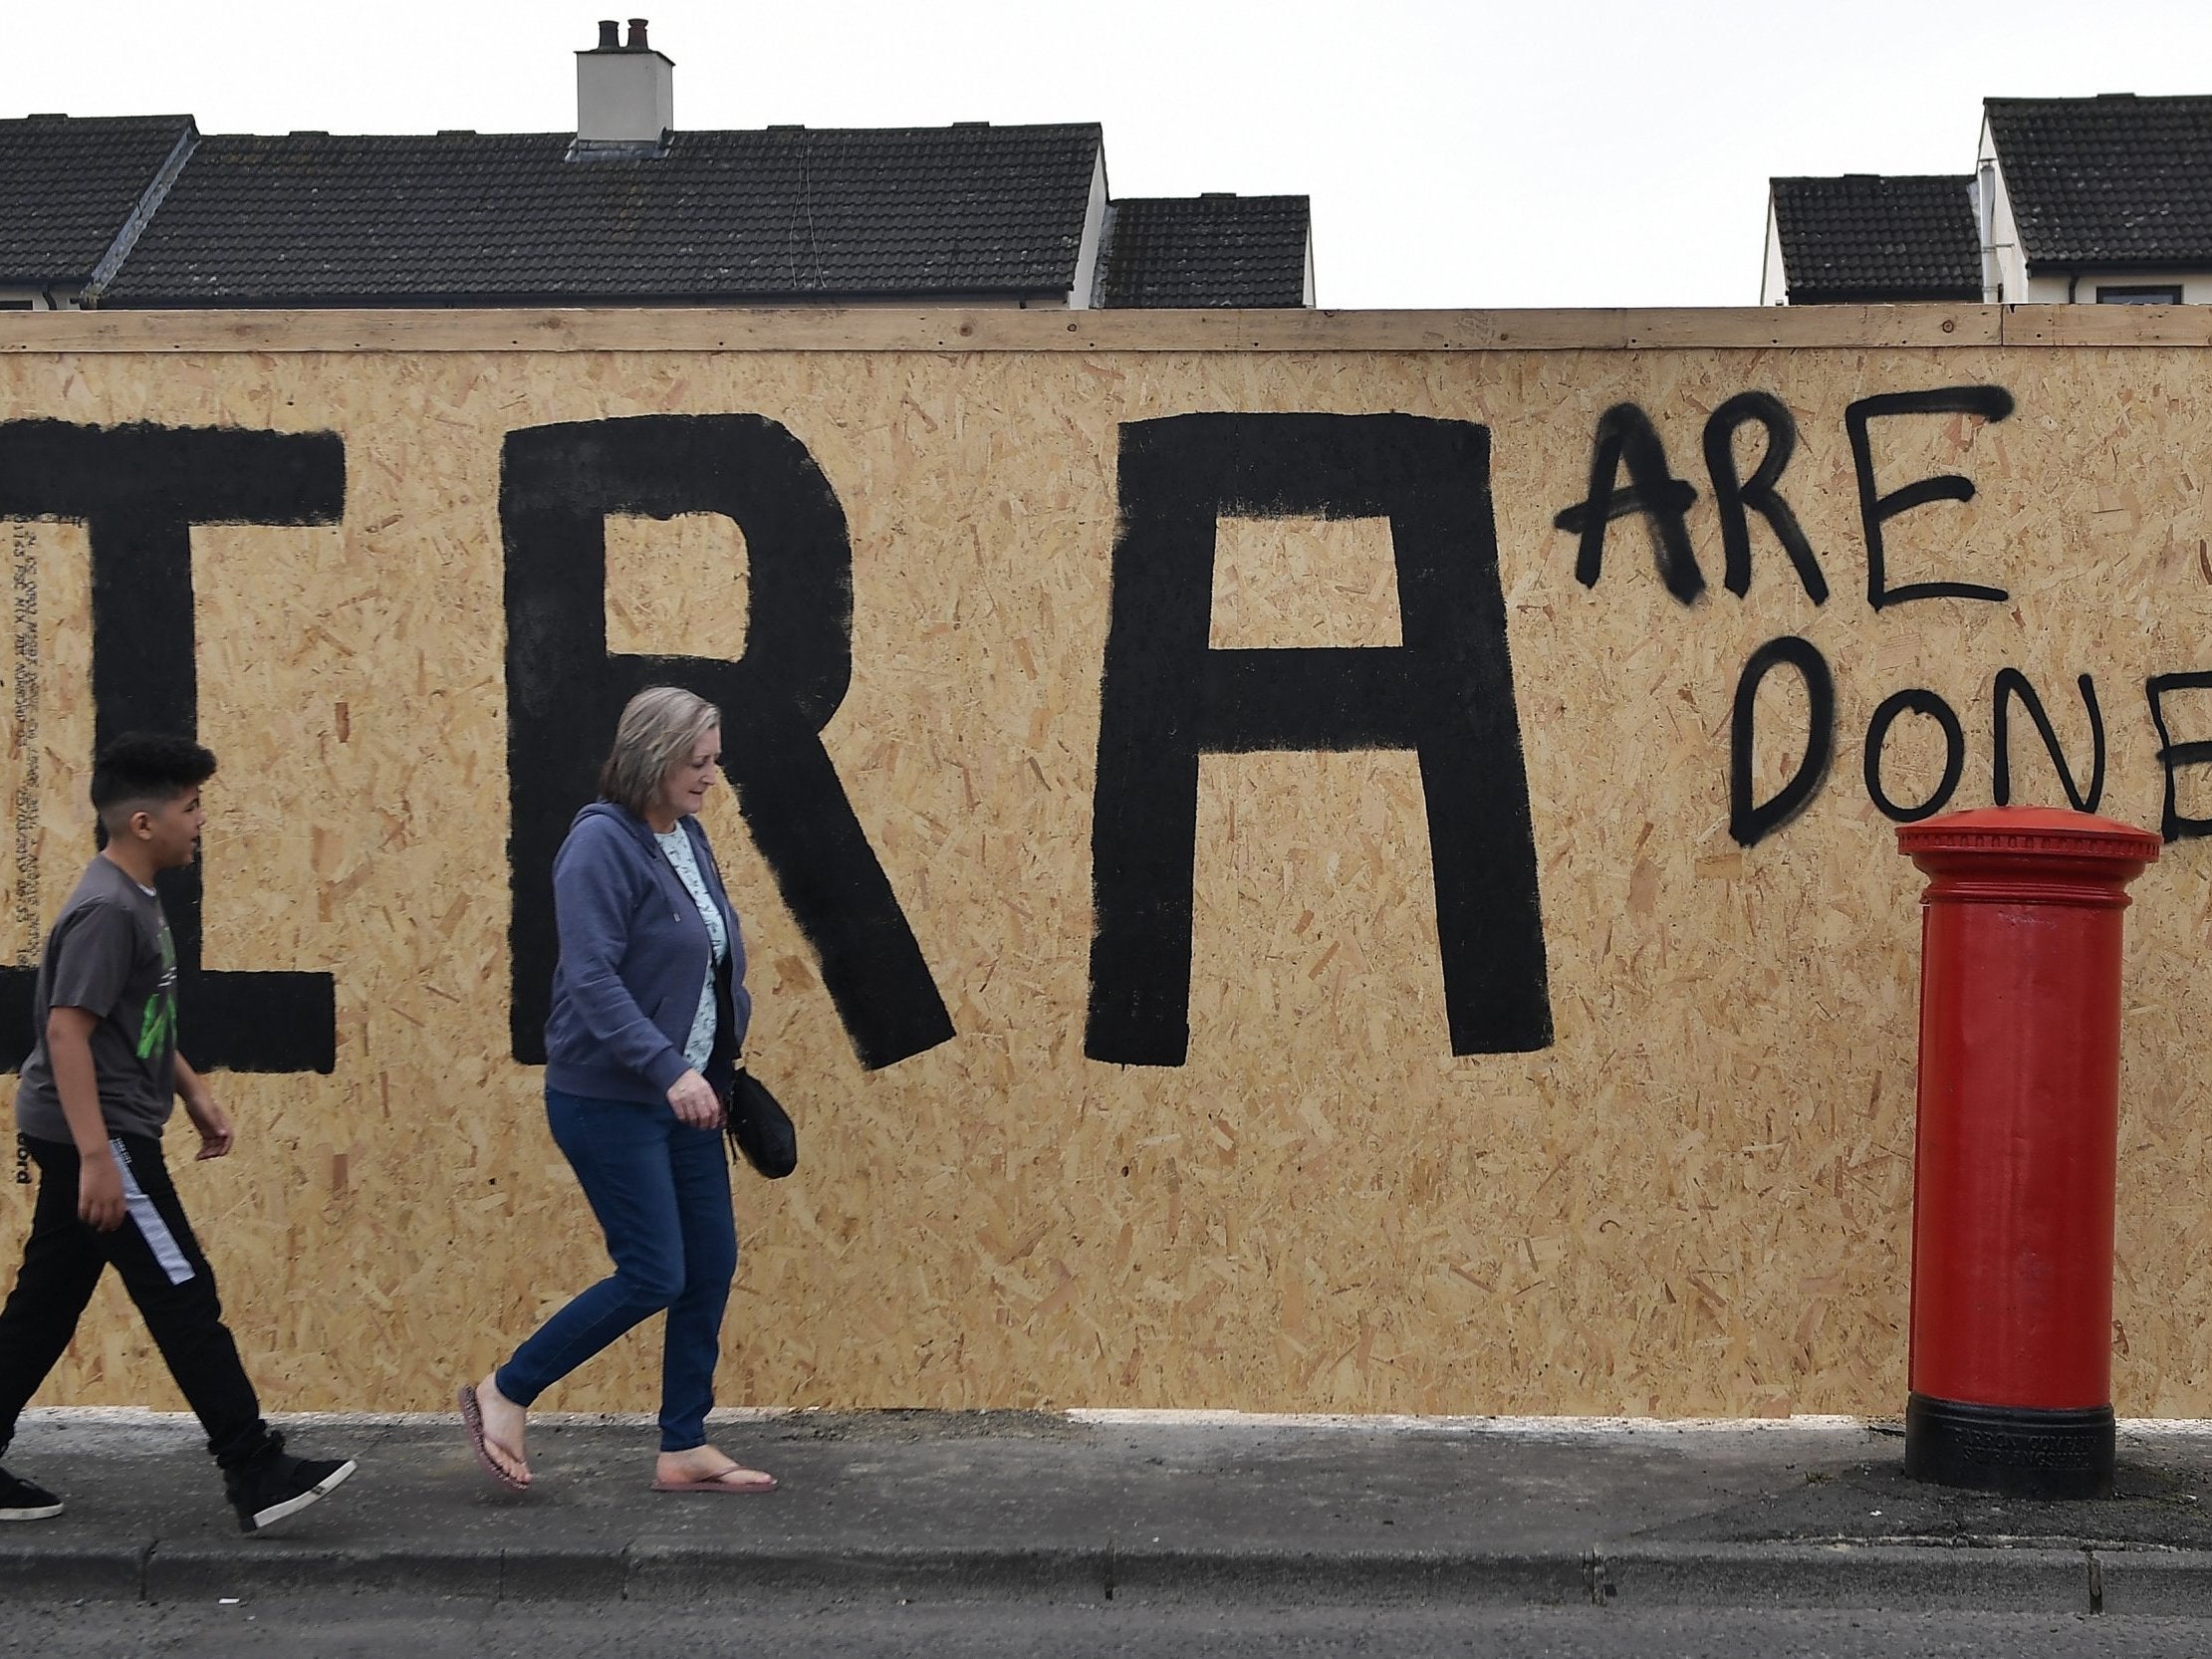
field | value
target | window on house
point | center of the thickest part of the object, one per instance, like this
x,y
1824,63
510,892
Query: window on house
x,y
2138,294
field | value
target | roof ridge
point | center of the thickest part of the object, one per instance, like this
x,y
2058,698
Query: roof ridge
x,y
966,130
141,215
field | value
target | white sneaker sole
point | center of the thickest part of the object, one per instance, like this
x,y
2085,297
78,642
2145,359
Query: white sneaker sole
x,y
293,1505
38,1512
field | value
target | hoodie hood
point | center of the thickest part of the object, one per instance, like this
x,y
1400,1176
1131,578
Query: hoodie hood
x,y
640,830
608,809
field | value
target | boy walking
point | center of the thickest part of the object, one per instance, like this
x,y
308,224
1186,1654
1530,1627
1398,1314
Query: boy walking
x,y
95,1096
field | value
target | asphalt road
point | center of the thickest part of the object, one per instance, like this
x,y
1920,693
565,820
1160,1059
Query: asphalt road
x,y
358,1627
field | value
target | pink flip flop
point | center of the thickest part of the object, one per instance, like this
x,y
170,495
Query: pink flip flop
x,y
472,1420
732,1479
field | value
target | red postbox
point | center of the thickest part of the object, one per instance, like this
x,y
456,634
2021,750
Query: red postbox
x,y
2013,1165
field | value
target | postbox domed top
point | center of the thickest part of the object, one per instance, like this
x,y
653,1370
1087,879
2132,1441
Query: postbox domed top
x,y
2030,831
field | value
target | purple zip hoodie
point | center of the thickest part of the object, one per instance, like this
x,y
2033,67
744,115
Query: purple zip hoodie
x,y
634,954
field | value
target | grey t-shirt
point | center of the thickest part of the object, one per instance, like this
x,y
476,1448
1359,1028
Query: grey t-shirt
x,y
110,954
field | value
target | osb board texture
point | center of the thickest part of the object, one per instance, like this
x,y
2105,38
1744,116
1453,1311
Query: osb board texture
x,y
1696,1201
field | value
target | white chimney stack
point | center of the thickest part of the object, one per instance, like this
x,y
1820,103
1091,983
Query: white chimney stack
x,y
625,94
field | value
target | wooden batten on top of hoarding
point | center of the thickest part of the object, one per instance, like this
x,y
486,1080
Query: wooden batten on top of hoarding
x,y
1294,861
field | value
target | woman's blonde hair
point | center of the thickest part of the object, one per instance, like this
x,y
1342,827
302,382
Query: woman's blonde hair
x,y
657,728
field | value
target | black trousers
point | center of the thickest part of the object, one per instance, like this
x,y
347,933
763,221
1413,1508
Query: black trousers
x,y
164,1272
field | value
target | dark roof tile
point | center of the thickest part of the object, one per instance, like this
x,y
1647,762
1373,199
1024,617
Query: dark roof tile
x,y
69,184
1202,251
1869,238
2116,180
734,216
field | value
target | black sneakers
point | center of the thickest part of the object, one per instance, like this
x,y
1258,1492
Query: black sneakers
x,y
281,1485
21,1501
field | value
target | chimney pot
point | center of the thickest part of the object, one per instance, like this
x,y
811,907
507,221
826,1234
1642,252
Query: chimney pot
x,y
637,35
609,36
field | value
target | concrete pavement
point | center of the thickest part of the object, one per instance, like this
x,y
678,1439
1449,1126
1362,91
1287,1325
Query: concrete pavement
x,y
933,1507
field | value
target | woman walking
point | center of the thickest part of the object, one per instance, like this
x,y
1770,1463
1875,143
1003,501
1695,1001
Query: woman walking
x,y
649,1010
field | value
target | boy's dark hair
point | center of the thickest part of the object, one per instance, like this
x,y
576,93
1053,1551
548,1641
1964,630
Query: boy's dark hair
x,y
142,767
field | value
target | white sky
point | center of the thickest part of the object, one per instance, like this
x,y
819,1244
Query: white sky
x,y
1468,155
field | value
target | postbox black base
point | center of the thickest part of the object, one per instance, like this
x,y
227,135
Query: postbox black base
x,y
2014,1450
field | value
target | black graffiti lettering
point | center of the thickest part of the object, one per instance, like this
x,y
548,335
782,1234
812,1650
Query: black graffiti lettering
x,y
565,688
2173,824
1446,693
1914,701
140,490
1751,820
1991,404
2011,683
1757,493
1626,437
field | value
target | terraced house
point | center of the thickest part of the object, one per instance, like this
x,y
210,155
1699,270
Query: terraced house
x,y
2104,200
149,212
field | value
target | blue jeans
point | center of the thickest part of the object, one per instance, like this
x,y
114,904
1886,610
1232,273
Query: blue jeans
x,y
661,1192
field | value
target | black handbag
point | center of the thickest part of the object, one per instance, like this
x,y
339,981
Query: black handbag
x,y
759,1128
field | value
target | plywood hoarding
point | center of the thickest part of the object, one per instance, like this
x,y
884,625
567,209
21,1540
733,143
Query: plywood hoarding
x,y
1305,863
